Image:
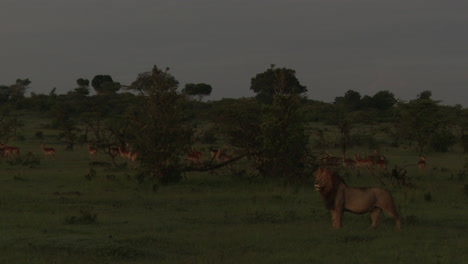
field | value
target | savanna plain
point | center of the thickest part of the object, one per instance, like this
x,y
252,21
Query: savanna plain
x,y
71,209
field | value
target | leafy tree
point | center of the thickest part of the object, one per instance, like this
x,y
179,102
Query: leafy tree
x,y
275,81
64,117
103,84
384,100
273,135
8,125
199,89
143,83
351,101
160,136
283,139
425,95
103,133
442,140
420,119
82,82
5,93
18,89
463,123
82,89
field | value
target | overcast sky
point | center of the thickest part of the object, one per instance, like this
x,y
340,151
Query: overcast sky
x,y
404,46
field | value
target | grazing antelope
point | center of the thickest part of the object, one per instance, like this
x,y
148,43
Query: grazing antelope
x,y
194,157
381,163
92,150
128,154
48,151
221,155
123,152
216,151
9,152
329,160
349,163
368,163
114,152
422,163
133,156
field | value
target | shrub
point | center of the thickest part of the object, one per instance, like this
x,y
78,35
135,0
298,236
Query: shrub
x,y
442,140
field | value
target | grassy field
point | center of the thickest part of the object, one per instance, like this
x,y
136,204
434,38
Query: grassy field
x,y
57,212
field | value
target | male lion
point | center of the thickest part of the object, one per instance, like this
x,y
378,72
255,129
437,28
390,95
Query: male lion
x,y
338,197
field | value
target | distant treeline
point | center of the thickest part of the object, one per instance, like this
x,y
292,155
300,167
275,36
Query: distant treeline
x,y
273,127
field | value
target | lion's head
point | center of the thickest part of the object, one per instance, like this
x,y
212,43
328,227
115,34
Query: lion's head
x,y
327,182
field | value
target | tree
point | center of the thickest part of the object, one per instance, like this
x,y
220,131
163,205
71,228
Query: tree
x,y
463,123
351,101
83,87
64,118
199,89
274,81
273,135
425,95
18,89
143,83
82,82
384,100
103,84
160,135
8,125
420,119
5,93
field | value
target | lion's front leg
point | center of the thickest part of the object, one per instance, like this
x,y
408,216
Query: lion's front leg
x,y
337,215
337,211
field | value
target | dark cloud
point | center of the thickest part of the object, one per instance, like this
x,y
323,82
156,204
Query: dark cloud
x,y
402,46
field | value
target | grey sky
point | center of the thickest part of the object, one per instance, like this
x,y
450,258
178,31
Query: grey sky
x,y
404,46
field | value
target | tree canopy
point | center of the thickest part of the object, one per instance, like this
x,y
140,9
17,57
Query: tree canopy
x,y
200,90
275,81
103,84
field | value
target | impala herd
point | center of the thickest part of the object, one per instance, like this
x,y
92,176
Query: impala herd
x,y
195,157
217,154
368,162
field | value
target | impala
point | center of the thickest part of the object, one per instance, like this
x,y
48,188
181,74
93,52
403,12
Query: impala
x,y
381,163
48,151
422,163
368,163
329,160
114,152
194,156
92,150
127,153
349,163
133,156
123,152
215,152
9,151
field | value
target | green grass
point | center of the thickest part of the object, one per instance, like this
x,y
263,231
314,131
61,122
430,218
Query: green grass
x,y
53,214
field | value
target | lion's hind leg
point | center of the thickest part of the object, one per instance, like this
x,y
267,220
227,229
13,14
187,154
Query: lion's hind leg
x,y
375,213
391,210
385,202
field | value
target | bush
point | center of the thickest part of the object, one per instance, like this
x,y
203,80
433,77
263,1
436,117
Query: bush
x,y
442,140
